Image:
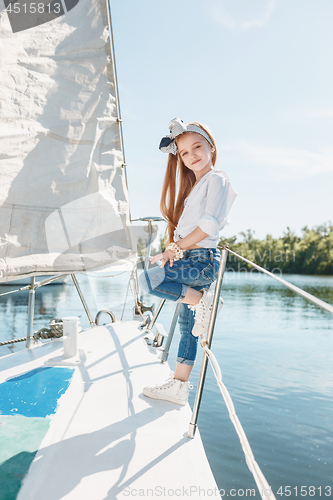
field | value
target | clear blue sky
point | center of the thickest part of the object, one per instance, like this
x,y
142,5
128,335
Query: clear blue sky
x,y
260,74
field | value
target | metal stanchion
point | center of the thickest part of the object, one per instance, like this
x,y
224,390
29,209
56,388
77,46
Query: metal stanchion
x,y
197,401
91,321
31,308
154,318
165,353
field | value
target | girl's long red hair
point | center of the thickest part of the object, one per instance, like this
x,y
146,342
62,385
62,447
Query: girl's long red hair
x,y
178,183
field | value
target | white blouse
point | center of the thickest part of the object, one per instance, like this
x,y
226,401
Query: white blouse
x,y
207,206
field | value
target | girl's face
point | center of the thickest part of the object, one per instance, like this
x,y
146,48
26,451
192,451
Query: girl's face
x,y
195,152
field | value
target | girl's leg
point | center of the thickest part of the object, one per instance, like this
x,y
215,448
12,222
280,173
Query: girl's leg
x,y
176,389
165,284
192,296
183,372
188,344
157,282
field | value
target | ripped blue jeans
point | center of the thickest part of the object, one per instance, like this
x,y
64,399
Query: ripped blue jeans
x,y
197,269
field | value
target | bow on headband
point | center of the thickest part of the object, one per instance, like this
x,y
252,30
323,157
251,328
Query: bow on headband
x,y
177,127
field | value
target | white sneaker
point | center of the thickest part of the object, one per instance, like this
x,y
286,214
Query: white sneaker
x,y
175,391
202,313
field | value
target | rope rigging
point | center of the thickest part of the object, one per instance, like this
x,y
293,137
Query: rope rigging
x,y
261,482
54,330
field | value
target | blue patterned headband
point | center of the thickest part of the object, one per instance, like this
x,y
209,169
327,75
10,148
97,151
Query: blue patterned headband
x,y
177,127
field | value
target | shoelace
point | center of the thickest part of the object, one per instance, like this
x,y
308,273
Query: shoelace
x,y
168,382
200,312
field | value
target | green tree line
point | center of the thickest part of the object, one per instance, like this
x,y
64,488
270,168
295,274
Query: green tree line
x,y
311,253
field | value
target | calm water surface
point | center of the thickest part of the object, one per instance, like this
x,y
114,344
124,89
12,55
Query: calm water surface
x,y
275,351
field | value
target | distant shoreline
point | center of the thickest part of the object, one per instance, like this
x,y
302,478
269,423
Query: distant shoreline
x,y
311,254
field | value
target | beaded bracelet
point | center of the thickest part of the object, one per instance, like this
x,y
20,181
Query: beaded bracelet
x,y
174,248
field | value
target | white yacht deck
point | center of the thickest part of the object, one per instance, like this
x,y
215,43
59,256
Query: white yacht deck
x,y
106,440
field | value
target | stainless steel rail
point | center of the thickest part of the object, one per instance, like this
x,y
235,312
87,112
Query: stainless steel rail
x,y
37,284
154,318
224,254
116,88
149,220
202,376
139,304
85,306
104,311
49,280
165,353
292,287
31,308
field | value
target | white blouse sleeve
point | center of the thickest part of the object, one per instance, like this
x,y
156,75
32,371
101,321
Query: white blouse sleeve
x,y
220,197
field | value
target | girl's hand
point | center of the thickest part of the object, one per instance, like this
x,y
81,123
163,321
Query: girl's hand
x,y
164,257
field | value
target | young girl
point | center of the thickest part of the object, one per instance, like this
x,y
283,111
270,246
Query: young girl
x,y
191,260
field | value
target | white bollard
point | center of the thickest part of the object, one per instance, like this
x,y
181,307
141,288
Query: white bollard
x,y
71,329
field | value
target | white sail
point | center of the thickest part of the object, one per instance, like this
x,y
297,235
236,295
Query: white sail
x,y
63,196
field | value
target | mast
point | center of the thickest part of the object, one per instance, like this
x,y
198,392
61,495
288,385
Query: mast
x,y
114,70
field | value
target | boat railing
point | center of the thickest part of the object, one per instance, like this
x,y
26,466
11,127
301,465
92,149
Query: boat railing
x,y
222,268
140,307
224,251
34,285
262,484
206,343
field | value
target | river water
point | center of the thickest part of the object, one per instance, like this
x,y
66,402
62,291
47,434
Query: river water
x,y
275,352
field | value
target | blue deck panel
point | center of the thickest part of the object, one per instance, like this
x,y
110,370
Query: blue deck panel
x,y
35,393
26,402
